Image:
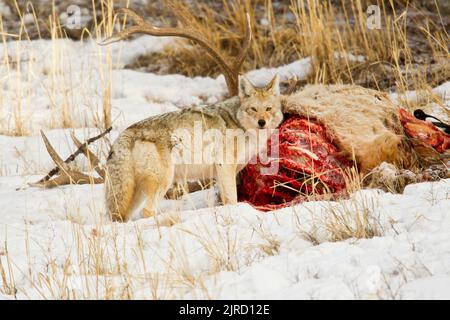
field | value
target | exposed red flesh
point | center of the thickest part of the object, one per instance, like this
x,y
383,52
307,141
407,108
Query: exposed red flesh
x,y
309,162
424,131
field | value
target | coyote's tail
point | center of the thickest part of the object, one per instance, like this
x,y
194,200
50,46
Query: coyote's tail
x,y
120,180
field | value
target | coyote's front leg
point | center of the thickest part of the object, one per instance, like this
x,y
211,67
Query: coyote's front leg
x,y
226,181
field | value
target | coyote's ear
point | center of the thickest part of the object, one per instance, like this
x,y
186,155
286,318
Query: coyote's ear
x,y
273,87
246,88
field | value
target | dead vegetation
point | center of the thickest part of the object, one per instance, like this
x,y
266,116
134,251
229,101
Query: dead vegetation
x,y
356,219
410,51
230,68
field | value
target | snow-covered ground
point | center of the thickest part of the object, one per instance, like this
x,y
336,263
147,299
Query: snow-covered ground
x,y
59,243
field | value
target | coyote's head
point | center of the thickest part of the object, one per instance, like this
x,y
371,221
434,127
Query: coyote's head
x,y
260,107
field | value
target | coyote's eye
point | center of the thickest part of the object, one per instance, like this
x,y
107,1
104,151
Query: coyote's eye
x,y
253,109
269,109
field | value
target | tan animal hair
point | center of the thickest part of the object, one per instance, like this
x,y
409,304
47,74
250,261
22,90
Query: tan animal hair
x,y
363,123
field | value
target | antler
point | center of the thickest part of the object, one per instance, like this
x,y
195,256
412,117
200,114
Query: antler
x,y
230,70
66,175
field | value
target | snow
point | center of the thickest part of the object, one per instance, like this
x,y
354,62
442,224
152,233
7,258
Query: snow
x,y
428,288
440,110
59,243
300,69
235,252
444,92
4,9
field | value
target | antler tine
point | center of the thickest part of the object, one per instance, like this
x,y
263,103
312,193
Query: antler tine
x,y
247,42
230,72
67,175
138,28
60,164
92,158
55,182
71,177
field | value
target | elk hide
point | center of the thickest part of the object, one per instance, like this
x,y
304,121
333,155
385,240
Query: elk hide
x,y
329,129
363,123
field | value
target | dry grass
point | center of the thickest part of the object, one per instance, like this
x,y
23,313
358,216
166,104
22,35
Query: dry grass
x,y
410,51
222,23
63,89
104,261
405,55
7,276
355,219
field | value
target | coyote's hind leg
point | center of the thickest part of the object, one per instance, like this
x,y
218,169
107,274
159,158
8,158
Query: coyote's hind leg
x,y
155,172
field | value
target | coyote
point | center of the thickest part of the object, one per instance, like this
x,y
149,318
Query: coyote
x,y
141,162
